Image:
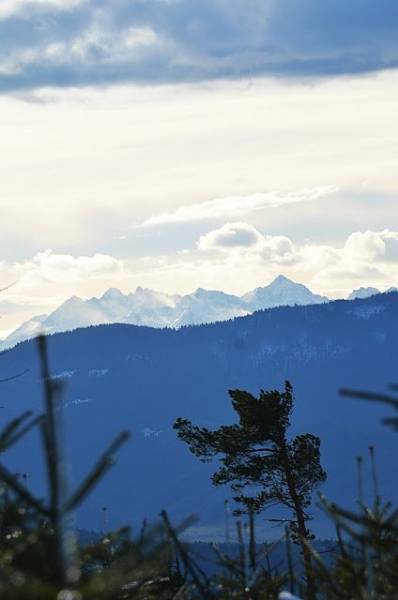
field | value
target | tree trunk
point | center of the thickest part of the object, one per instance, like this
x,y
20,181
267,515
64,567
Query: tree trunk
x,y
300,517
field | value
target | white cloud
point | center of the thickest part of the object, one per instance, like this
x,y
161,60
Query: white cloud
x,y
94,45
112,158
235,258
236,206
43,282
98,45
278,249
231,235
365,258
242,237
10,7
368,258
48,267
49,271
373,245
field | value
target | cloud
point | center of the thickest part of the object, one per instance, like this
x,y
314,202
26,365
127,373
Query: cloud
x,y
56,268
11,7
243,237
194,40
47,269
231,235
43,282
237,206
111,158
235,258
373,245
365,258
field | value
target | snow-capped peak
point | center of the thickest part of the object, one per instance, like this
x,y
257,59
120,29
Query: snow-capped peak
x,y
363,292
113,294
282,280
159,309
281,292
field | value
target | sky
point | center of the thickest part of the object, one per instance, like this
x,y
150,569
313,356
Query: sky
x,y
177,144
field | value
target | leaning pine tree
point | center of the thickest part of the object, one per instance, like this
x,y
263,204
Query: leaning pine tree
x,y
260,463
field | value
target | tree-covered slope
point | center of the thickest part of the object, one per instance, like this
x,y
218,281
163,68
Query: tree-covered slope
x,y
124,376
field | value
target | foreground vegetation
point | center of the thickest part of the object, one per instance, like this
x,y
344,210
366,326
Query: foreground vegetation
x,y
41,559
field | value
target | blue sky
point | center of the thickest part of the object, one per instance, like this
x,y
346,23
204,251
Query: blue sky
x,y
183,143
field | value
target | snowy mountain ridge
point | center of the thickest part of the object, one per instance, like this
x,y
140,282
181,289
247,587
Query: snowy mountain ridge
x,y
157,309
367,292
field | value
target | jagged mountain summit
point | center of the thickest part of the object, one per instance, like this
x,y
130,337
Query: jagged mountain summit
x,y
363,292
281,292
367,292
157,309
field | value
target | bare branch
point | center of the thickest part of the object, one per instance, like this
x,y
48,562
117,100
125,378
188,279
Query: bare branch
x,y
13,426
8,286
105,462
10,440
14,376
184,557
21,491
372,396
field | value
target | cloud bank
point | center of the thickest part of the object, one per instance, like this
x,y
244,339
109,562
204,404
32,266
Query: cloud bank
x,y
79,43
235,257
366,258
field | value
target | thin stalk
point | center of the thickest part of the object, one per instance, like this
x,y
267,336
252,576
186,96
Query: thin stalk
x,y
56,469
252,542
374,474
360,480
242,555
289,561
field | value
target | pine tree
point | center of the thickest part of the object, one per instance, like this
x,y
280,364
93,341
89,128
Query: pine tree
x,y
260,463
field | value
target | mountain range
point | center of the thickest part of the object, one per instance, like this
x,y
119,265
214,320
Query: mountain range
x,y
157,309
121,376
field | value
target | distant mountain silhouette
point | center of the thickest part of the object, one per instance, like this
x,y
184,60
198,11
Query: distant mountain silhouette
x,y
123,376
157,309
366,292
363,292
281,292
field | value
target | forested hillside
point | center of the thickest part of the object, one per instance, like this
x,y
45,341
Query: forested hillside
x,y
142,379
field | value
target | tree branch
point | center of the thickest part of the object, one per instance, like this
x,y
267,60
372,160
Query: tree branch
x,y
21,491
14,376
105,462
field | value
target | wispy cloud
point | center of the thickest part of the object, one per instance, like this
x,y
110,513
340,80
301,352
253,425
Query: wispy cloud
x,y
237,206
